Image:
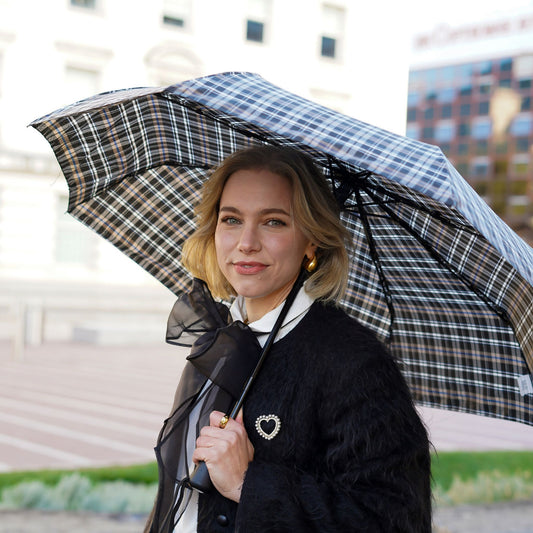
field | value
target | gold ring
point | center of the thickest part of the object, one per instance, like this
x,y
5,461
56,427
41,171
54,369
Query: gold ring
x,y
223,421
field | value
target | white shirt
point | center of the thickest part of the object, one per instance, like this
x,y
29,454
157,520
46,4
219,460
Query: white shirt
x,y
264,325
262,329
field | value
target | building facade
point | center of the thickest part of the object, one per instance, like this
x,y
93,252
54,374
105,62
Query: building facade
x,y
56,52
470,93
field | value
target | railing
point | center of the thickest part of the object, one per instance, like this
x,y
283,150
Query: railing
x,y
125,316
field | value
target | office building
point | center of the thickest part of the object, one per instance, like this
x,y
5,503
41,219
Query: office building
x,y
470,93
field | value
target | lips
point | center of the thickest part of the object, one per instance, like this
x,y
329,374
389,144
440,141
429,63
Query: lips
x,y
248,268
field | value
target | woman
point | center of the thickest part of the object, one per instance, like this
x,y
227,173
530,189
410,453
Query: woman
x,y
328,439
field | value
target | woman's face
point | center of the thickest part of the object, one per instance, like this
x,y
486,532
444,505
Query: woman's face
x,y
258,245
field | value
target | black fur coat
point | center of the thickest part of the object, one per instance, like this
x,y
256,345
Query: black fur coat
x,y
351,453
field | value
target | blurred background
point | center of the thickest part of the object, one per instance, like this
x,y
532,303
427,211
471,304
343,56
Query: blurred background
x,y
456,74
81,326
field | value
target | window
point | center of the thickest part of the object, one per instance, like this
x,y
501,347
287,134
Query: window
x,y
465,110
447,74
87,4
519,186
258,17
429,113
177,13
501,147
446,111
83,67
479,168
518,200
74,243
462,149
481,129
464,129
525,104
254,31
446,95
482,147
522,145
332,33
445,132
485,67
428,133
81,82
520,167
506,65
483,108
522,125
413,99
465,72
412,132
523,66
173,21
411,114
328,47
431,77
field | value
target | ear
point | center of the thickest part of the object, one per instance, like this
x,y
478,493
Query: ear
x,y
310,250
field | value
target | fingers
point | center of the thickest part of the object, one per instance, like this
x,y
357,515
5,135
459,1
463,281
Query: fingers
x,y
226,452
220,420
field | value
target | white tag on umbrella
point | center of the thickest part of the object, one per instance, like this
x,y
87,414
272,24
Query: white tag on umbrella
x,y
526,384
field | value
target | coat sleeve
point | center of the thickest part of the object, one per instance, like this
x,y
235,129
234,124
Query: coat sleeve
x,y
372,464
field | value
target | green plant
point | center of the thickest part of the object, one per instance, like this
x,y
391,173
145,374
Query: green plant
x,y
139,474
75,492
486,487
447,466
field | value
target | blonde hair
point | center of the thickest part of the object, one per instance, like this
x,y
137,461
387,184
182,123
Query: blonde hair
x,y
315,212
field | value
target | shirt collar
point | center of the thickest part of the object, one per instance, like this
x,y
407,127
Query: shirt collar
x,y
265,324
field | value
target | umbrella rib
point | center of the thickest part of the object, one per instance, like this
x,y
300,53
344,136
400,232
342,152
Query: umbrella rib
x,y
375,259
230,122
501,312
416,205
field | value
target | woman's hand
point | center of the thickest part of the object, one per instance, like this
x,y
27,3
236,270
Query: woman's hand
x,y
226,453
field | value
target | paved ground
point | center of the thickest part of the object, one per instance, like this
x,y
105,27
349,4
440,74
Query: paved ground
x,y
71,405
499,518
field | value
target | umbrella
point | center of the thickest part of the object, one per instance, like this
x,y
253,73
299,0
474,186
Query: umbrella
x,y
435,273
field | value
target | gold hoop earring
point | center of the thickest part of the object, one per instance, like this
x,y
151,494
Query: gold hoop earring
x,y
311,264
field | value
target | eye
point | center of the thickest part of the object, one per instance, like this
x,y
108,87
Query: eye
x,y
229,220
275,222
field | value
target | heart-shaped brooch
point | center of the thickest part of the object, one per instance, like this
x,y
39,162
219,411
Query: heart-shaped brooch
x,y
268,426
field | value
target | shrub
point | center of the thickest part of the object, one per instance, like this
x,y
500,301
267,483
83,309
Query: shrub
x,y
75,492
486,487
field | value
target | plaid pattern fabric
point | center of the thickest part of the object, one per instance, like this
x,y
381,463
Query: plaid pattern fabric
x,y
453,307
417,165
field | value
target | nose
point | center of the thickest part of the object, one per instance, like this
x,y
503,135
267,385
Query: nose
x,y
249,240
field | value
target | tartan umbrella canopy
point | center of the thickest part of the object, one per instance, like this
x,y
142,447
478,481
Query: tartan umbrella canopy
x,y
434,272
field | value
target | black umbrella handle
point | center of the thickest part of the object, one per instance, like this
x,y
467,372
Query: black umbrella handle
x,y
200,479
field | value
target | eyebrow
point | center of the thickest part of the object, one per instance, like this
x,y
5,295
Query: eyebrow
x,y
267,211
